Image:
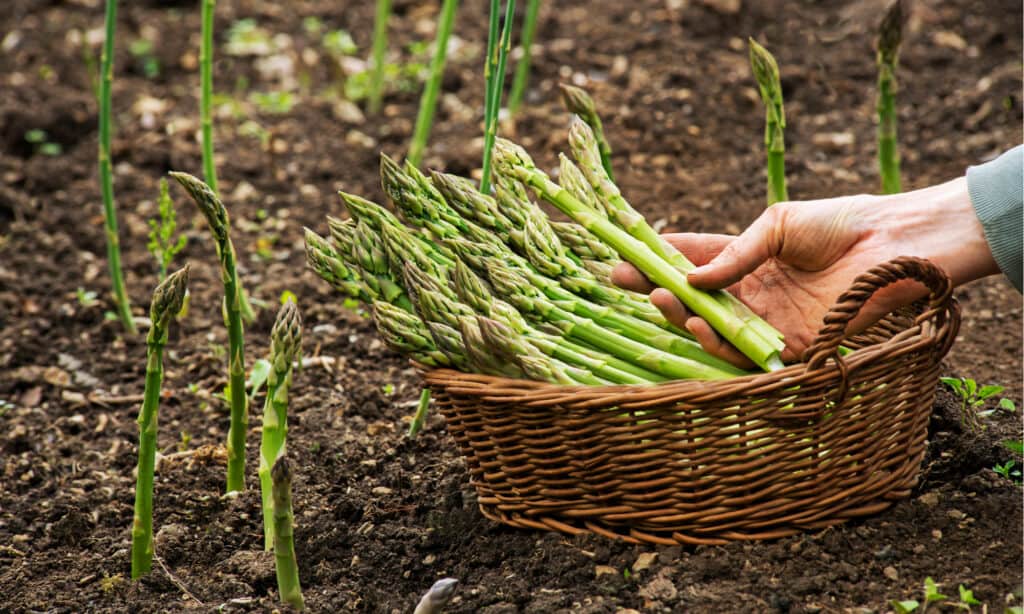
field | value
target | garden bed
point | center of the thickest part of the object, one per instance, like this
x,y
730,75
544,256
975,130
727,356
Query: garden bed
x,y
379,517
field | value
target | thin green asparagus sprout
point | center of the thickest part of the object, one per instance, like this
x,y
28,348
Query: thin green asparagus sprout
x,y
124,308
167,300
217,217
359,249
420,417
449,342
428,101
284,543
527,299
600,269
515,96
766,73
377,218
462,195
406,333
578,102
581,242
585,149
494,76
435,301
890,33
380,45
285,347
206,93
325,262
732,323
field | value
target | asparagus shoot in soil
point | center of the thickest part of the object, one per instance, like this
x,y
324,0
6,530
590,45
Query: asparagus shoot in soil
x,y
428,101
167,300
284,543
220,227
890,34
766,73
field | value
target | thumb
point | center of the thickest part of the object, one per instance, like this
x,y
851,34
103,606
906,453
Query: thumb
x,y
744,254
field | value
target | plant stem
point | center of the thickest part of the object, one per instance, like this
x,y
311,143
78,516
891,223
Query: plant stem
x,y
766,72
380,44
217,217
578,102
421,413
889,37
284,543
123,306
167,301
515,96
494,75
285,346
206,93
428,101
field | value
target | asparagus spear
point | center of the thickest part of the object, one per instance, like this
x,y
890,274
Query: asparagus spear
x,y
527,299
425,116
515,96
380,47
124,308
422,407
581,242
284,543
578,102
494,77
325,262
734,324
167,300
502,342
890,34
766,72
406,333
285,346
217,218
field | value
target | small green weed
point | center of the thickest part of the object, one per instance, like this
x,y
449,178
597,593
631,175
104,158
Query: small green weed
x,y
41,143
142,50
965,599
973,399
162,243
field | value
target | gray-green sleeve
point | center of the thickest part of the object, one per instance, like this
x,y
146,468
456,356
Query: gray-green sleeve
x,y
997,192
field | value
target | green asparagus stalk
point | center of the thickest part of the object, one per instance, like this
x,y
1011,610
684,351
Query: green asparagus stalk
x,y
578,102
167,300
284,543
406,333
582,243
217,217
482,358
766,73
622,213
124,308
206,93
285,347
428,101
494,77
502,342
665,267
380,44
889,36
527,299
325,262
449,342
420,417
515,96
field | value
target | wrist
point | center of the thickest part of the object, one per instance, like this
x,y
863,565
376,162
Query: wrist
x,y
938,223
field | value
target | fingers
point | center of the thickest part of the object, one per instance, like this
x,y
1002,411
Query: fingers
x,y
742,256
715,345
670,307
698,248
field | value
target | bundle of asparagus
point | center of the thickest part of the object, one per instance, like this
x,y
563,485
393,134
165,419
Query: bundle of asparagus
x,y
489,284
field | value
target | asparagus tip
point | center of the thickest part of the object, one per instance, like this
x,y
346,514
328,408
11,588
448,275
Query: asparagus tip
x,y
576,100
890,32
169,297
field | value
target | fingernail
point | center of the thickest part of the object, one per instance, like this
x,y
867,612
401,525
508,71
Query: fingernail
x,y
701,270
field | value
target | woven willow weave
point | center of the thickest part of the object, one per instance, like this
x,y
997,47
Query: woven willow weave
x,y
692,462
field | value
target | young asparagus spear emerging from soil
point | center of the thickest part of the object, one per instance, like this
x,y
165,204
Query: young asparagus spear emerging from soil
x,y
494,79
284,544
380,47
437,597
515,96
890,34
285,346
766,73
578,102
167,300
217,218
124,308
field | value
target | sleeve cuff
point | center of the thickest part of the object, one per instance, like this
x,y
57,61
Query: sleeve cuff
x,y
997,193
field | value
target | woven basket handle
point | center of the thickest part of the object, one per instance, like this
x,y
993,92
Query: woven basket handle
x,y
849,303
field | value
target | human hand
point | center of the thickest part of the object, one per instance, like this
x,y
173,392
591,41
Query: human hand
x,y
793,262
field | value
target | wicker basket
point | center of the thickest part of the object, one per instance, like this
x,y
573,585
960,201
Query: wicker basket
x,y
757,457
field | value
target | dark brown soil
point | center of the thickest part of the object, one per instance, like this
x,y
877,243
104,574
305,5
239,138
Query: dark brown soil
x,y
380,516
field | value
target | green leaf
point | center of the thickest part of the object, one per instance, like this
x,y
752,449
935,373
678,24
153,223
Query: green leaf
x,y
904,607
955,383
931,591
971,386
258,376
1014,445
990,390
967,596
1007,405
